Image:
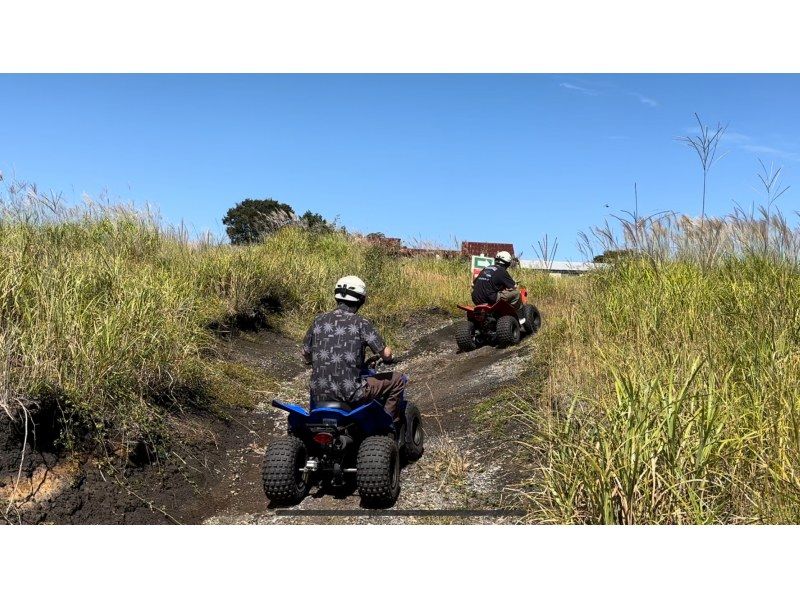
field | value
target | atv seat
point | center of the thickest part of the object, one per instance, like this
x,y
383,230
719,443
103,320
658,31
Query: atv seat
x,y
500,306
480,307
326,404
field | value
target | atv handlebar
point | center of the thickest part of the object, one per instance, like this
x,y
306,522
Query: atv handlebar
x,y
378,360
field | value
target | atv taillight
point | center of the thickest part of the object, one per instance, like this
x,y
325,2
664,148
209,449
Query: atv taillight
x,y
323,438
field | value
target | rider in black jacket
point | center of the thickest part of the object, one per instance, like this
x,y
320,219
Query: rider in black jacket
x,y
494,283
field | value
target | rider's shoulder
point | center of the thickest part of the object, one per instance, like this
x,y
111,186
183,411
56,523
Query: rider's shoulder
x,y
324,317
362,320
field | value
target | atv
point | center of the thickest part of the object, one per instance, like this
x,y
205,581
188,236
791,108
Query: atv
x,y
335,442
497,324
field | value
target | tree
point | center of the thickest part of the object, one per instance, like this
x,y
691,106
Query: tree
x,y
253,219
315,222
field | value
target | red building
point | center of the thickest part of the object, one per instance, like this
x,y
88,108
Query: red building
x,y
485,248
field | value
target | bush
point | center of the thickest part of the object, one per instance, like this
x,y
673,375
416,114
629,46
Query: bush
x,y
251,220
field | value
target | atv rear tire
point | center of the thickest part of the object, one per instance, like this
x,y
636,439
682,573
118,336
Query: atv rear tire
x,y
465,336
508,332
533,319
378,471
415,434
283,481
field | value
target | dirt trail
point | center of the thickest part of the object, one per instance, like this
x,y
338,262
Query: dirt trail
x,y
216,478
462,468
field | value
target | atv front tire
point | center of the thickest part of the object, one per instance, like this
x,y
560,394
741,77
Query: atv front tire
x,y
533,319
508,332
378,471
415,434
284,482
465,336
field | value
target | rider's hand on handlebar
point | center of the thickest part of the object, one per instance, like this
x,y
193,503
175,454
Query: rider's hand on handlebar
x,y
386,354
381,358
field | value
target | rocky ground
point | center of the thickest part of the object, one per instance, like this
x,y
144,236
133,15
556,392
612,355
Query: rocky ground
x,y
214,476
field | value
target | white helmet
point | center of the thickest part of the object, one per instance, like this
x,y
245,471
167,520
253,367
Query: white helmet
x,y
351,289
503,257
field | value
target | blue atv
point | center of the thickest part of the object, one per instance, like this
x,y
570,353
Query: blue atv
x,y
334,442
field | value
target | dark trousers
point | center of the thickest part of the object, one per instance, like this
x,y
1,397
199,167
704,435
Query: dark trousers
x,y
512,296
386,387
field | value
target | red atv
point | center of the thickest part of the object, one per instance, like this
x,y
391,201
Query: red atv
x,y
497,324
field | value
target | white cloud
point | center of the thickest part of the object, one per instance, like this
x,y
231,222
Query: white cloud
x,y
748,144
609,89
772,151
645,100
729,135
578,88
734,137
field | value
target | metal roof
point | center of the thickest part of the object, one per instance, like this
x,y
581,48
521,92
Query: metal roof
x,y
560,266
485,248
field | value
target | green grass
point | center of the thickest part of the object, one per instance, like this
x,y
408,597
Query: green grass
x,y
662,389
106,317
671,395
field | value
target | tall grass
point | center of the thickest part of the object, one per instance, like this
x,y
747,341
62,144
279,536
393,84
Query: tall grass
x,y
94,315
106,315
672,391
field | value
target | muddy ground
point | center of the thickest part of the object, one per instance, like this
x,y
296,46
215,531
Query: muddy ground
x,y
214,475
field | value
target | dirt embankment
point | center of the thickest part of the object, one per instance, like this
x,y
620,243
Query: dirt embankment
x,y
213,476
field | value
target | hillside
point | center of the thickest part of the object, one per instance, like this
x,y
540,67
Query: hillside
x,y
138,369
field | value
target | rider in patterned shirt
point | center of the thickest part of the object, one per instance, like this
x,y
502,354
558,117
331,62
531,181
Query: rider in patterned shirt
x,y
334,346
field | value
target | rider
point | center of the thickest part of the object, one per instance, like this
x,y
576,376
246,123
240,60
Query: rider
x,y
494,283
334,347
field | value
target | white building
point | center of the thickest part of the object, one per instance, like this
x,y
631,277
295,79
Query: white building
x,y
560,268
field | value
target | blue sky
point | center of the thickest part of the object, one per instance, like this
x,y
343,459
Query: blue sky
x,y
429,157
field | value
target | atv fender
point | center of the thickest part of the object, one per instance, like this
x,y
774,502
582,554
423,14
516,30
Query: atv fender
x,y
370,417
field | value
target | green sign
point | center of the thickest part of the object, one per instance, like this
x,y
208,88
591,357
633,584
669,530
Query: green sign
x,y
479,262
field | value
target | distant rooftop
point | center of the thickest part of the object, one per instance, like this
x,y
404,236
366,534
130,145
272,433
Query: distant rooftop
x,y
485,248
561,266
